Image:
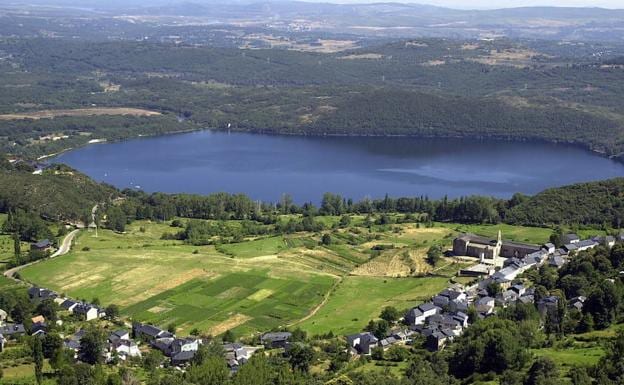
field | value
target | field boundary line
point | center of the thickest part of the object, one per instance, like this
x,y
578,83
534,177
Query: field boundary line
x,y
318,307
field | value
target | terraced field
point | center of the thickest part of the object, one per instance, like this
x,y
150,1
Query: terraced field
x,y
243,301
258,284
171,282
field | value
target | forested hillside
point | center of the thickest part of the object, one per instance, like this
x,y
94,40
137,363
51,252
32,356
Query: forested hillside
x,y
586,203
426,87
59,193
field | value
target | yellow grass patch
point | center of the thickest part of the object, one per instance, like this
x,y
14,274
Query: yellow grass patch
x,y
421,234
110,87
514,57
396,263
470,47
158,309
85,280
368,56
416,44
434,63
321,45
231,323
260,295
232,292
135,279
95,111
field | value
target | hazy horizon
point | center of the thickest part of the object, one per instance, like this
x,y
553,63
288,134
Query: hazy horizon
x,y
498,4
456,4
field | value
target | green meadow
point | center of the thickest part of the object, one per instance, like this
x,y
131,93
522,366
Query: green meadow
x,y
261,283
166,281
357,300
258,247
241,301
536,235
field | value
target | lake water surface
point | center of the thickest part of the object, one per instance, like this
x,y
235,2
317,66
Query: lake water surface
x,y
265,167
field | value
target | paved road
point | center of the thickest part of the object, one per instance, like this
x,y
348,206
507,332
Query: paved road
x,y
64,249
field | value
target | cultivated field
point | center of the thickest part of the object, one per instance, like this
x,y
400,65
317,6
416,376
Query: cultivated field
x,y
357,300
170,282
261,283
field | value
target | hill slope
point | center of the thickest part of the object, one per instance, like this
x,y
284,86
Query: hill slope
x,y
60,193
586,203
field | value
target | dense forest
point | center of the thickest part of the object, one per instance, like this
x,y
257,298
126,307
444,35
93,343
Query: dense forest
x,y
585,203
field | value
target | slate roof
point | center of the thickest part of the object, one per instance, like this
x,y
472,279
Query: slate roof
x,y
83,308
451,294
68,303
428,306
183,357
151,331
569,238
275,337
10,329
586,243
72,344
43,244
478,239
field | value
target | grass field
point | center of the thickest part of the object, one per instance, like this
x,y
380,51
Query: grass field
x,y
259,247
584,349
572,356
536,235
357,300
242,301
171,282
259,284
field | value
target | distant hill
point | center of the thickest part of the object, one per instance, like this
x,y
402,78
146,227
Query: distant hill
x,y
372,19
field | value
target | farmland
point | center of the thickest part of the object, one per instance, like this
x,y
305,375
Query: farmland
x,y
261,283
359,299
153,280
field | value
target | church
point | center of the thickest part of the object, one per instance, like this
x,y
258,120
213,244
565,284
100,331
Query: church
x,y
491,251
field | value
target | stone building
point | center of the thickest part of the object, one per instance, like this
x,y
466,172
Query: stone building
x,y
491,251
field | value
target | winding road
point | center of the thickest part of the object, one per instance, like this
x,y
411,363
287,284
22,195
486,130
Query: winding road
x,y
64,249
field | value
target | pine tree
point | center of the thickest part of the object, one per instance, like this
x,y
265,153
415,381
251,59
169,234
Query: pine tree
x,y
38,359
17,247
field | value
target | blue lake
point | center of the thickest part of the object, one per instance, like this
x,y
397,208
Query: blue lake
x,y
265,167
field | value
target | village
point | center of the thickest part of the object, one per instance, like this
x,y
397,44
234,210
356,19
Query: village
x,y
500,263
495,284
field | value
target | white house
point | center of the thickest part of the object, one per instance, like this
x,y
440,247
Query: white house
x,y
126,348
86,312
428,309
549,248
185,345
